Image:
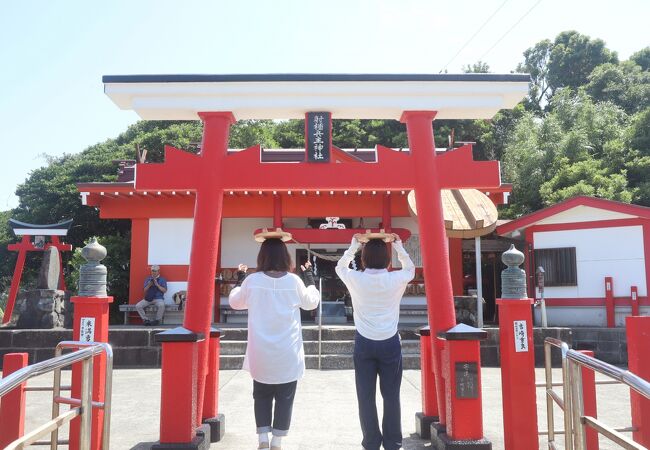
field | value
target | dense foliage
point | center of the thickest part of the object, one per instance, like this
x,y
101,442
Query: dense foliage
x,y
584,129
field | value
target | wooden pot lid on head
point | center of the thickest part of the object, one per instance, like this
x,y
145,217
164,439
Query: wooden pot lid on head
x,y
467,213
273,234
365,237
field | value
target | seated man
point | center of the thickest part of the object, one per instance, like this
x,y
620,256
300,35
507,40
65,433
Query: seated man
x,y
155,287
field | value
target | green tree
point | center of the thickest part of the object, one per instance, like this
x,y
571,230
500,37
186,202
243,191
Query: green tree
x,y
642,58
535,63
49,195
477,67
573,57
586,177
625,85
246,133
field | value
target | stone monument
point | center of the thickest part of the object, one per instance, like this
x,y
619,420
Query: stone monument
x,y
45,306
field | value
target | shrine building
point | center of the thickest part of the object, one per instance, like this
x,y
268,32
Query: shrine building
x,y
596,259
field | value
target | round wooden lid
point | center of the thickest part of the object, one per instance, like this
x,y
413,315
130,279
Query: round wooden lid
x,y
467,213
273,234
365,237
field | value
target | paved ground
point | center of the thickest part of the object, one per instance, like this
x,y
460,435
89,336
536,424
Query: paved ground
x,y
325,412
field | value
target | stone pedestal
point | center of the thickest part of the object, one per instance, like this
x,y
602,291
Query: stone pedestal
x,y
42,308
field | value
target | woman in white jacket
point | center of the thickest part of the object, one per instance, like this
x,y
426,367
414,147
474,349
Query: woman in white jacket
x,y
376,294
275,356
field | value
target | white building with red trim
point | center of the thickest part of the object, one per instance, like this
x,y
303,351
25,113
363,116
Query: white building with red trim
x,y
596,256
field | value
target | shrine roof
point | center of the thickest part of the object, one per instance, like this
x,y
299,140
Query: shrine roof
x,y
290,96
575,210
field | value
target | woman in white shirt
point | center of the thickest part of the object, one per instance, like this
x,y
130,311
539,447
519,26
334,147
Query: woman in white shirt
x,y
275,356
376,295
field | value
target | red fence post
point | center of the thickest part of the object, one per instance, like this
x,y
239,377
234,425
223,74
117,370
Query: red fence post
x,y
90,325
634,299
211,414
179,394
638,349
12,408
461,364
609,302
589,401
518,374
429,414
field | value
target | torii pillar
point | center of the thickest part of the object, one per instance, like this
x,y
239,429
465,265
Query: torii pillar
x,y
433,239
202,173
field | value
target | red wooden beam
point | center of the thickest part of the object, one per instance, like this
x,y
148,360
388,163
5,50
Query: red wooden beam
x,y
245,170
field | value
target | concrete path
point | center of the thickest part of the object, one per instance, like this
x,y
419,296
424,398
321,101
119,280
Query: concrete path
x,y
325,412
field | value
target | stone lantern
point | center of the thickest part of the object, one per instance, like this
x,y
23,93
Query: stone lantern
x,y
513,279
92,275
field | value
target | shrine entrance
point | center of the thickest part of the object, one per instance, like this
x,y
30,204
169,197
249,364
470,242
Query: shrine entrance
x,y
215,174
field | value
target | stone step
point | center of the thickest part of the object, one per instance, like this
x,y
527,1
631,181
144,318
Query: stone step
x,y
310,333
232,348
328,362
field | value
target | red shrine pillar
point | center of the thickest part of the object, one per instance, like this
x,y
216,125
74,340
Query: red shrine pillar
x,y
638,349
429,413
12,408
433,239
203,263
517,350
210,415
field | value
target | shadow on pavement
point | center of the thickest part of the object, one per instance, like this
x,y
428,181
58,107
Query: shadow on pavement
x,y
414,442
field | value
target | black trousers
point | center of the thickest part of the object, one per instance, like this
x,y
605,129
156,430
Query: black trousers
x,y
264,395
383,359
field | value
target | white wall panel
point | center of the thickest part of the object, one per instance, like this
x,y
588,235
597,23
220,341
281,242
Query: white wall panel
x,y
625,273
172,288
237,243
559,291
584,316
583,214
170,241
410,223
600,252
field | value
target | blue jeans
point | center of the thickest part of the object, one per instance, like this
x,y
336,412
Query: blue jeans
x,y
383,358
265,395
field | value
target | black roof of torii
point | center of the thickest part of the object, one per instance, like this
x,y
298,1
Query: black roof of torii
x,y
21,228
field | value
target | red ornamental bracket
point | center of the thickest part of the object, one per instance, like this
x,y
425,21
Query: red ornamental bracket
x,y
38,233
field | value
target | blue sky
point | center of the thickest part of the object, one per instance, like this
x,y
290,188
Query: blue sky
x,y
53,54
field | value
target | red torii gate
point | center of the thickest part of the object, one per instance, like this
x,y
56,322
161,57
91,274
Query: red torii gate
x,y
216,99
27,230
213,172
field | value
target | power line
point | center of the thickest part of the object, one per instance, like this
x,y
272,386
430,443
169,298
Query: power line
x,y
474,35
510,29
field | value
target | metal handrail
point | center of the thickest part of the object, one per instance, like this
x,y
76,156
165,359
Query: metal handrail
x,y
15,379
320,322
576,361
108,387
85,355
553,397
572,403
635,382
